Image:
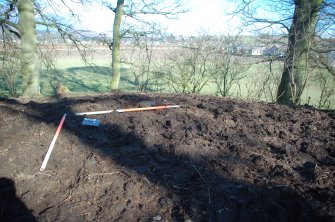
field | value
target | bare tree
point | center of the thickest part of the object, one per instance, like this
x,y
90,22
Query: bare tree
x,y
29,53
18,22
18,18
262,83
228,69
10,67
190,68
205,62
296,67
142,59
10,64
136,10
301,20
116,63
325,82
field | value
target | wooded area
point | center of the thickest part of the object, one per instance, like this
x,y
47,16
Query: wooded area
x,y
306,48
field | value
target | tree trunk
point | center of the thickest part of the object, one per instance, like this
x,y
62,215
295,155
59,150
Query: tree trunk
x,y
116,62
300,36
29,53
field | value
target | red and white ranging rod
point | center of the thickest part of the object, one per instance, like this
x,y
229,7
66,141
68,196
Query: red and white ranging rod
x,y
146,108
46,158
94,113
128,110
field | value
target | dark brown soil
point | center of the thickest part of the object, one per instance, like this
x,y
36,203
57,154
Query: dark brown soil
x,y
214,159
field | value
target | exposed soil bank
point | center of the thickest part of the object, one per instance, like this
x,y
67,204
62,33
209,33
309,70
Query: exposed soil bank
x,y
214,159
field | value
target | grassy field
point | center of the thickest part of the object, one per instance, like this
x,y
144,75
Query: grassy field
x,y
80,77
94,77
77,76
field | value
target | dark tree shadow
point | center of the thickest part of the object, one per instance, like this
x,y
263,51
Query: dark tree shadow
x,y
98,70
76,84
12,207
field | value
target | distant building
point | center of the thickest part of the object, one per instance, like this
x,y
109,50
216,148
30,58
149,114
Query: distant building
x,y
246,50
274,51
331,58
239,49
258,51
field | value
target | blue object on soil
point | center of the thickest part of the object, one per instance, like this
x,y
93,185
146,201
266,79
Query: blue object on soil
x,y
90,122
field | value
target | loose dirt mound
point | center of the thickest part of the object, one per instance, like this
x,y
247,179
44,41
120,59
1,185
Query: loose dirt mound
x,y
214,159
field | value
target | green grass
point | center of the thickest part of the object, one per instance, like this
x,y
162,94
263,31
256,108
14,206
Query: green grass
x,y
81,77
95,77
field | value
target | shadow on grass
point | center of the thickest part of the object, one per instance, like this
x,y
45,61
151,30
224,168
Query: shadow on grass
x,y
126,81
97,70
85,79
199,192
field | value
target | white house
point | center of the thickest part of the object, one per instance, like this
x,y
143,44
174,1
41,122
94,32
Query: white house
x,y
331,58
257,51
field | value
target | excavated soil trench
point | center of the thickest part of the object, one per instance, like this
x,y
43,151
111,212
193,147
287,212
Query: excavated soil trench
x,y
213,159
